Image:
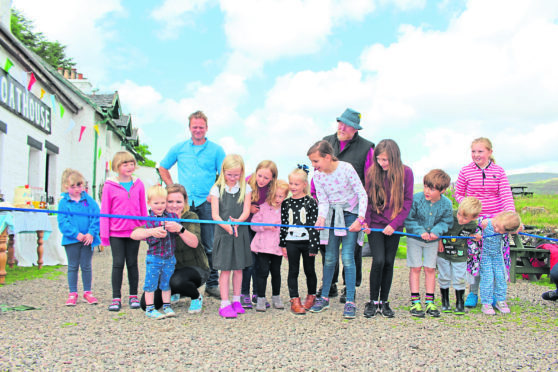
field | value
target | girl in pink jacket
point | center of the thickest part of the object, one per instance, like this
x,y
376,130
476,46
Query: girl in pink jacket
x,y
123,195
266,246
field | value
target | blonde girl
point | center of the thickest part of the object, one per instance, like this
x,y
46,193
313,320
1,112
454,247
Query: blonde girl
x,y
80,233
123,195
300,209
263,183
342,203
389,186
230,201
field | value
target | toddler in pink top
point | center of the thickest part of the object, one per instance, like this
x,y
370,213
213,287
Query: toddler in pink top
x,y
266,246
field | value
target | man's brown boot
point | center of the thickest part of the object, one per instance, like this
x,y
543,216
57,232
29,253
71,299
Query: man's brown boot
x,y
310,299
296,306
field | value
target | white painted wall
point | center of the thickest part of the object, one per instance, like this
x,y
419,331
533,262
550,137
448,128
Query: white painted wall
x,y
15,167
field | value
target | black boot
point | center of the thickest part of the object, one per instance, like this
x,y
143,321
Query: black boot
x,y
445,300
459,303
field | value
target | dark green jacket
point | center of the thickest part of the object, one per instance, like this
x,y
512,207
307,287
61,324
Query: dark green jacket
x,y
188,256
455,250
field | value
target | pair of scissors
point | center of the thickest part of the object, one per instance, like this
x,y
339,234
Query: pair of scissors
x,y
235,232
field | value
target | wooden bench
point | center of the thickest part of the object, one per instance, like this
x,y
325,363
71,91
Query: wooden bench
x,y
520,260
520,191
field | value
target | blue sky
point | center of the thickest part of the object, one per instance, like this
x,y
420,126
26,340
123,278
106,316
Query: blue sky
x,y
272,76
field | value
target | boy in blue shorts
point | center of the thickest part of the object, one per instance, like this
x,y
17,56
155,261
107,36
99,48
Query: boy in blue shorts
x,y
430,217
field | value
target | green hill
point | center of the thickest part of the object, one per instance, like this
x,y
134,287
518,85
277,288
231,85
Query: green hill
x,y
520,179
547,187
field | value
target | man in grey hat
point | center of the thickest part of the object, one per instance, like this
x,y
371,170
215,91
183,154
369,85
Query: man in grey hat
x,y
349,146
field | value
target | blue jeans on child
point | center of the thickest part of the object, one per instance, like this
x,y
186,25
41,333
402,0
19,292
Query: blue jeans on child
x,y
493,281
79,255
158,271
347,257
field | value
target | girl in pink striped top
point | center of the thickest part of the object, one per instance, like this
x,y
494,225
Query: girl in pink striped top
x,y
487,182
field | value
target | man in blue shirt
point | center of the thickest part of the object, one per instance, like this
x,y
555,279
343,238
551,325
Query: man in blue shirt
x,y
199,162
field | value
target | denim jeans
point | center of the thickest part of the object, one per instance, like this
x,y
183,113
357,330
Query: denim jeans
x,y
158,271
347,257
204,213
79,255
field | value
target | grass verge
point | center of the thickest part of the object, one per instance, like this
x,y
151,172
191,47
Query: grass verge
x,y
18,273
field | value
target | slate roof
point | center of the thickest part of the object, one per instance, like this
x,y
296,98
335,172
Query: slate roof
x,y
102,100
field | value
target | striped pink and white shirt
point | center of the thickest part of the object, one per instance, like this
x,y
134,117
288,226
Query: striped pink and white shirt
x,y
492,189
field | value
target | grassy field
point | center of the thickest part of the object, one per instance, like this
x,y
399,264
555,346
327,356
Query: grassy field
x,y
548,218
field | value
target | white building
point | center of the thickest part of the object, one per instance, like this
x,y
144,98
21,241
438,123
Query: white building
x,y
37,142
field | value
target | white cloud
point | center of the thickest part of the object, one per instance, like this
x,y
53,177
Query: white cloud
x,y
175,14
481,77
405,4
79,25
269,29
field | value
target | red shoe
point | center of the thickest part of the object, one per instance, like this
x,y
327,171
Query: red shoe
x,y
72,299
296,306
310,299
89,298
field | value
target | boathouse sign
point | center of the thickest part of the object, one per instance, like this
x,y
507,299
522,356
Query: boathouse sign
x,y
16,98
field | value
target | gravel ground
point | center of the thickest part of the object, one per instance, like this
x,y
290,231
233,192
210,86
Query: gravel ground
x,y
91,338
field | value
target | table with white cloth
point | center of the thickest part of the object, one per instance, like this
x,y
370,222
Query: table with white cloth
x,y
29,237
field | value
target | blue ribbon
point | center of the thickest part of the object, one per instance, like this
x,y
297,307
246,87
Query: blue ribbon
x,y
146,218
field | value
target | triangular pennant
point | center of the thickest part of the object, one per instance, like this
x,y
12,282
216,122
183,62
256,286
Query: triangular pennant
x,y
61,111
42,93
53,101
81,132
96,127
70,126
99,153
32,81
8,65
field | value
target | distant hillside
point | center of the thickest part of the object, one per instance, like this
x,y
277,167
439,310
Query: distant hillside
x,y
547,187
520,179
538,183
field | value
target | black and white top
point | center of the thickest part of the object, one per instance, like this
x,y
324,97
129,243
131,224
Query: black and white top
x,y
303,211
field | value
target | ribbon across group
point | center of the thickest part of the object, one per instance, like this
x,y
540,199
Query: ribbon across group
x,y
145,218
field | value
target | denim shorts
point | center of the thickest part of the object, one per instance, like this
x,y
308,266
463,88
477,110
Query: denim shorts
x,y
158,271
420,253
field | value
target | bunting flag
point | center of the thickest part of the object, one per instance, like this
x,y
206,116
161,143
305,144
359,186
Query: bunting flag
x,y
32,81
53,101
96,127
61,111
70,126
81,132
8,65
42,93
99,156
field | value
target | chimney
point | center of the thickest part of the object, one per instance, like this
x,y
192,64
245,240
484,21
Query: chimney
x,y
60,70
80,76
66,73
6,14
73,74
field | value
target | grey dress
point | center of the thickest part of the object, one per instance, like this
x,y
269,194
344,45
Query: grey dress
x,y
229,252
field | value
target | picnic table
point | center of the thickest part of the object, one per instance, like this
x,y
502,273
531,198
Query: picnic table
x,y
520,191
520,260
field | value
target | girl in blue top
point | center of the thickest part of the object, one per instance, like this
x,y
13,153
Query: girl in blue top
x,y
80,233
